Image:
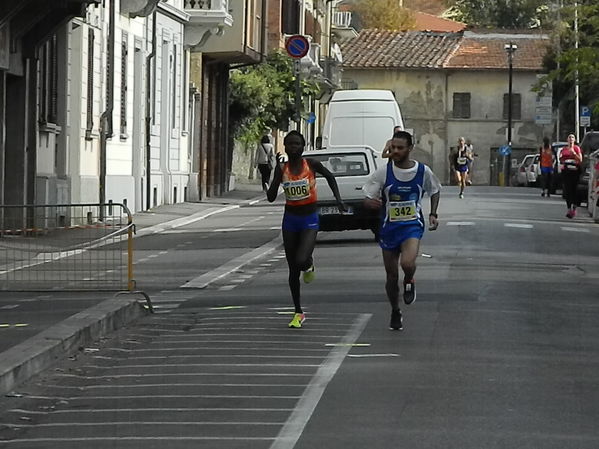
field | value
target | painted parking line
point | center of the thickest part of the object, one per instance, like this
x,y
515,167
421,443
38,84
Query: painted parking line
x,y
460,223
518,225
569,229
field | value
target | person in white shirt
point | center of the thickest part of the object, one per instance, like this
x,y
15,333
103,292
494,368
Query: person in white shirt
x,y
265,160
398,188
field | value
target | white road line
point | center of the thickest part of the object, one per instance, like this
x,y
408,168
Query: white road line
x,y
208,278
151,438
459,223
568,229
372,355
130,410
139,423
518,225
184,221
226,288
10,306
293,428
193,375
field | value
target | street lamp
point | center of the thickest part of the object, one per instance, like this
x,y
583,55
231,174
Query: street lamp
x,y
510,49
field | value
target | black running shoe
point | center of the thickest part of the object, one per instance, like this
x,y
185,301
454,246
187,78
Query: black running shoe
x,y
409,292
396,322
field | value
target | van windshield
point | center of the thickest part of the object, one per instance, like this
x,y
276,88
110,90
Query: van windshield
x,y
373,131
343,164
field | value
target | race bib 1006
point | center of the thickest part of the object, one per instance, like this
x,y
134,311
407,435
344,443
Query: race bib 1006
x,y
401,210
297,190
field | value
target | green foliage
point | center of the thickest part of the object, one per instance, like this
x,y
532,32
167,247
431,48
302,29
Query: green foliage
x,y
384,15
583,61
263,96
510,14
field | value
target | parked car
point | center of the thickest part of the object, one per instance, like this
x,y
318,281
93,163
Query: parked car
x,y
351,167
589,143
526,174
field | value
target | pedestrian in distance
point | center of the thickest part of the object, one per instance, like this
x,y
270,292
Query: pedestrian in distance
x,y
570,160
471,154
300,220
265,160
387,150
397,190
546,164
460,161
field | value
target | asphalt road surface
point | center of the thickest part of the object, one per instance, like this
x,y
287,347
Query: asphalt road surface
x,y
500,350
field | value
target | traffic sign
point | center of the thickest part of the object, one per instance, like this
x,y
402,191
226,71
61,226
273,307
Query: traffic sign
x,y
297,46
585,116
505,150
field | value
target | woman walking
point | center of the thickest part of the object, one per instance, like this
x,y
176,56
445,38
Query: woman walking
x,y
265,160
300,220
570,159
547,164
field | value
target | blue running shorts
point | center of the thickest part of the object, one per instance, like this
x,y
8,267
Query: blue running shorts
x,y
297,223
392,240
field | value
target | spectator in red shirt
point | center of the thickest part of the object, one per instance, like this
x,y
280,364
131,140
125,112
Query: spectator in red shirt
x,y
570,160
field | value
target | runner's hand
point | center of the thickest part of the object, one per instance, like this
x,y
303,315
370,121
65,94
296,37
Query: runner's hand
x,y
433,223
373,203
342,207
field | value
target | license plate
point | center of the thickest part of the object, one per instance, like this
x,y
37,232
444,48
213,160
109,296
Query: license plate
x,y
334,210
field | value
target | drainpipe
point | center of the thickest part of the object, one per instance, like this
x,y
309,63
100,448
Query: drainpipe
x,y
106,129
149,114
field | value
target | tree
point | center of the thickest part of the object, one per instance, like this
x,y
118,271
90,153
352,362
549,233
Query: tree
x,y
263,96
384,15
510,14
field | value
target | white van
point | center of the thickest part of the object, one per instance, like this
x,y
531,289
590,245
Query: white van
x,y
361,117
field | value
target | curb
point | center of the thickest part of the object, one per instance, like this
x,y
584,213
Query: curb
x,y
38,353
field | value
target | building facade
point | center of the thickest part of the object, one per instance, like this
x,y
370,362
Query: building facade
x,y
454,84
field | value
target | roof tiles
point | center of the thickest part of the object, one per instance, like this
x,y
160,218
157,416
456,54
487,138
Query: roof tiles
x,y
421,49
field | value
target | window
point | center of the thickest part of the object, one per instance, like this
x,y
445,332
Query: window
x,y
48,82
461,105
290,17
174,88
124,87
90,84
516,106
344,164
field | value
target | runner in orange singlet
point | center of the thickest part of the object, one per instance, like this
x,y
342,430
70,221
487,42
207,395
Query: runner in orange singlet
x,y
300,221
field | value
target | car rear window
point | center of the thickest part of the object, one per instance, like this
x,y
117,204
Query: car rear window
x,y
344,164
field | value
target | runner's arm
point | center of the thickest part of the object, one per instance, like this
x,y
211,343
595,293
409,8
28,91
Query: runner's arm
x,y
387,150
319,168
373,187
273,189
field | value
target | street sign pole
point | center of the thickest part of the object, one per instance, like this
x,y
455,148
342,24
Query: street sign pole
x,y
297,47
298,94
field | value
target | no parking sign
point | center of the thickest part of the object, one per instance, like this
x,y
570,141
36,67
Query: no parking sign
x,y
297,46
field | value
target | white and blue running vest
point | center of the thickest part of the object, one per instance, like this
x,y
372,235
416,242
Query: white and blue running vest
x,y
402,201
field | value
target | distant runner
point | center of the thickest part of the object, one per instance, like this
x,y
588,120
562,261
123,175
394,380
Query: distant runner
x,y
570,159
398,189
461,159
300,221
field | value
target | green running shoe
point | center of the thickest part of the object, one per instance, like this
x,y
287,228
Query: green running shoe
x,y
309,275
297,320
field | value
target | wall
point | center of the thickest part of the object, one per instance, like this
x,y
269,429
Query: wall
x,y
426,101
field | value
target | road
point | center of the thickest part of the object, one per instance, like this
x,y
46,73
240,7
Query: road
x,y
500,350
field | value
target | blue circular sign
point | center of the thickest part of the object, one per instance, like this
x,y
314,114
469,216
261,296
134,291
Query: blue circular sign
x,y
297,46
505,150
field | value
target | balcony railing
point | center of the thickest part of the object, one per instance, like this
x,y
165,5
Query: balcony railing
x,y
206,15
204,5
342,19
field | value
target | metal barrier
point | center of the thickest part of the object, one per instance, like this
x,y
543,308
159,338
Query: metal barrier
x,y
66,247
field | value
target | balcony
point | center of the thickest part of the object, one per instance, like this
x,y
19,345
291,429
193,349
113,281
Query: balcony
x,y
206,18
341,23
138,8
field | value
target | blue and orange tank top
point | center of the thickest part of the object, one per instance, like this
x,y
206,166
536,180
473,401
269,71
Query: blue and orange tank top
x,y
299,189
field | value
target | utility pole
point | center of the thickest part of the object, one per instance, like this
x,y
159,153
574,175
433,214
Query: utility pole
x,y
576,80
510,49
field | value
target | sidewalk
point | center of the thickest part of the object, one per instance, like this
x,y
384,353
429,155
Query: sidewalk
x,y
66,333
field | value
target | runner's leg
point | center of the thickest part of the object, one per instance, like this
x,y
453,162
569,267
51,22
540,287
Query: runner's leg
x,y
409,253
298,251
391,262
291,241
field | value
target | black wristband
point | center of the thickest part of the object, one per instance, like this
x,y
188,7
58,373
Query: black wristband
x,y
433,215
